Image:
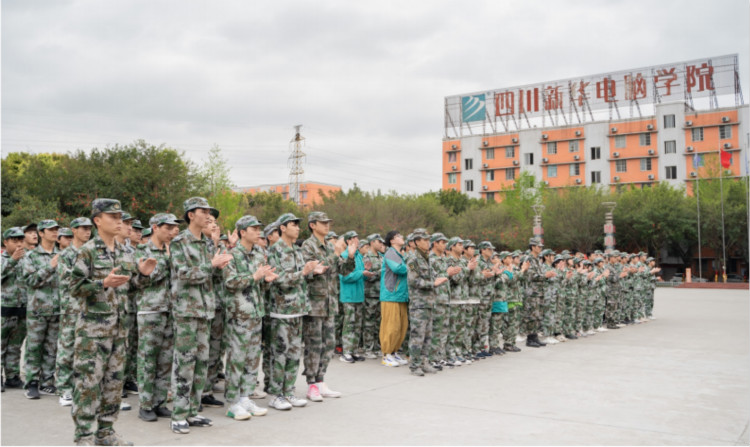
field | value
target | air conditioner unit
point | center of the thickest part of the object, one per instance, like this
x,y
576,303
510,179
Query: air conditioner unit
x,y
651,176
486,143
688,123
578,133
689,149
546,183
545,160
617,178
727,145
614,130
484,187
650,152
578,181
576,157
693,174
724,119
453,146
485,165
616,154
544,136
515,140
650,127
515,162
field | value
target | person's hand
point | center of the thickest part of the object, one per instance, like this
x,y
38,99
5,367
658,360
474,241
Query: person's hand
x,y
320,269
473,263
369,274
488,273
233,237
440,281
146,266
262,272
271,275
115,280
453,270
220,260
309,267
550,274
18,254
525,266
368,265
352,247
53,261
339,246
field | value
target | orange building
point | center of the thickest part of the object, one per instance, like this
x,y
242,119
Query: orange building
x,y
310,193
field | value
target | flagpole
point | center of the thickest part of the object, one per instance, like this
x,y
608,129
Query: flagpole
x,y
723,244
698,205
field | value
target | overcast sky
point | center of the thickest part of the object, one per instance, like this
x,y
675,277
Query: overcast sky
x,y
367,80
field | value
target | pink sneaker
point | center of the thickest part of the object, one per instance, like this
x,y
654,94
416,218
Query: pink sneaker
x,y
313,393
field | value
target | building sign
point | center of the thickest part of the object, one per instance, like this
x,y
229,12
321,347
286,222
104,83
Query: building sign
x,y
577,97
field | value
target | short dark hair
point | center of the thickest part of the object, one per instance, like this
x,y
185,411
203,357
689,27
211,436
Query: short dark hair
x,y
389,237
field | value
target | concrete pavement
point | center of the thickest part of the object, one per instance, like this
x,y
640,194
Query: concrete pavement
x,y
682,379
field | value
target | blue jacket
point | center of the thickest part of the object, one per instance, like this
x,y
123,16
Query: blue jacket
x,y
393,278
353,284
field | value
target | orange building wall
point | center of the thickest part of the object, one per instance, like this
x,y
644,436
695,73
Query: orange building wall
x,y
448,167
633,152
315,192
500,163
711,145
564,158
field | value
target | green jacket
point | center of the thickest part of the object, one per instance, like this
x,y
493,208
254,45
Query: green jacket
x,y
353,284
394,286
244,298
289,291
41,282
192,277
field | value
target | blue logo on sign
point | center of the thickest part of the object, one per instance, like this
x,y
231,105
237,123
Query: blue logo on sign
x,y
472,108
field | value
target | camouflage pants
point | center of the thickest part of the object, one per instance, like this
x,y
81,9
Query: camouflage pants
x,y
371,336
98,378
440,331
520,316
455,329
243,356
216,348
420,335
533,313
549,310
599,306
13,333
265,342
41,348
319,339
613,295
497,321
340,326
569,316
189,365
66,340
354,314
560,311
649,304
286,350
481,327
131,349
510,324
469,314
155,356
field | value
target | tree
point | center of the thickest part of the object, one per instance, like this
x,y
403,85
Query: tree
x,y
214,176
573,218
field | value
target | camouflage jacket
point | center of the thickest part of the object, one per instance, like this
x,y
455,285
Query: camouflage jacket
x,y
486,287
244,298
323,289
372,285
503,284
459,290
289,291
65,263
552,285
473,278
154,290
192,277
421,280
439,266
102,309
535,278
13,290
41,282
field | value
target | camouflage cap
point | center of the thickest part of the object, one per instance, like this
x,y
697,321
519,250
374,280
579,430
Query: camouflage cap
x,y
547,252
81,222
64,231
485,244
516,253
106,206
47,223
195,202
587,262
350,235
598,260
318,216
410,237
468,243
127,216
453,241
565,252
146,232
137,224
436,237
363,243
640,253
247,221
286,218
375,237
649,259
224,237
164,218
557,259
13,232
536,241
503,254
270,228
420,233
331,235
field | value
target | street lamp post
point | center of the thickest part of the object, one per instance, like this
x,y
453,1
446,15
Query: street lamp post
x,y
538,230
609,226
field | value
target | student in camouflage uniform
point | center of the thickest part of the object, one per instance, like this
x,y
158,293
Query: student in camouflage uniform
x,y
422,283
69,310
99,281
13,306
64,238
155,331
440,324
193,304
245,278
501,297
216,341
131,350
536,278
43,318
458,299
352,293
288,304
469,262
486,289
318,326
373,264
271,235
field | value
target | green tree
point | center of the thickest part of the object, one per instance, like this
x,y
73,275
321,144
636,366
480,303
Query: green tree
x,y
573,218
214,176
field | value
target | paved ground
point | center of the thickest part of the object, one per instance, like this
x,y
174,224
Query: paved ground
x,y
682,379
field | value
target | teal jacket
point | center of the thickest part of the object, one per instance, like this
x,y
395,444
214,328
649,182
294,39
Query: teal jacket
x,y
353,285
393,278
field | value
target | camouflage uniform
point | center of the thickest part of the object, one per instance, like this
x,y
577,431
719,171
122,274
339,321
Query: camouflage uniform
x,y
534,296
440,312
486,294
100,332
352,296
13,311
458,299
500,307
549,303
69,310
217,342
613,294
371,336
512,320
43,318
421,280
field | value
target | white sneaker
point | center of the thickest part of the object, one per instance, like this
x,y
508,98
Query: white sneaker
x,y
313,393
327,392
237,412
400,360
551,340
296,401
388,360
280,403
591,332
520,339
603,329
124,406
370,355
258,394
252,408
66,400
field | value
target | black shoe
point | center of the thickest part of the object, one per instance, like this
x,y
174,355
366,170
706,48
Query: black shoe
x,y
2,390
210,401
541,343
530,342
358,358
14,382
147,415
162,412
514,348
32,390
200,408
130,387
199,421
221,376
571,337
613,326
124,394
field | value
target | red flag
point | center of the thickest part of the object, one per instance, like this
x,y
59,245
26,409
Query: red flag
x,y
726,159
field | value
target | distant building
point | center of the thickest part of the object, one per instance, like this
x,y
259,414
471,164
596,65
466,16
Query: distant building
x,y
310,193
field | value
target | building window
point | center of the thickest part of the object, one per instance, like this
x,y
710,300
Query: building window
x,y
489,154
284,195
452,179
528,159
551,171
669,121
620,141
645,139
510,152
725,132
596,153
671,172
469,185
621,165
645,164
697,134
304,194
489,176
573,146
552,148
468,164
490,196
596,177
452,157
575,169
670,147
510,174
